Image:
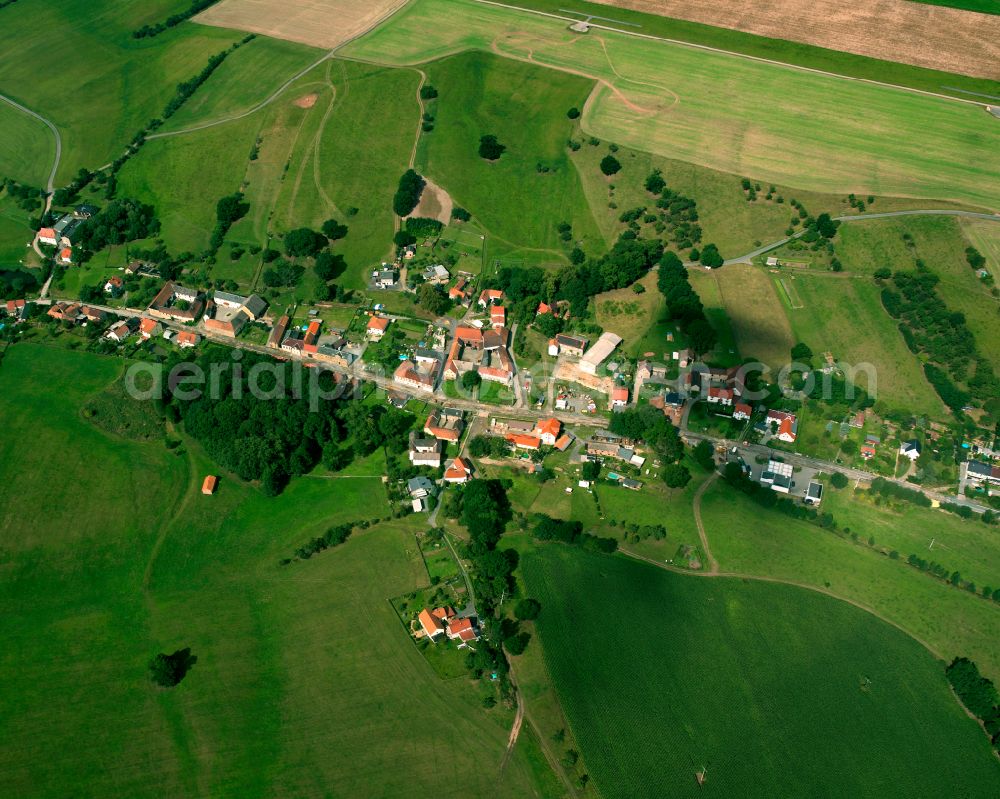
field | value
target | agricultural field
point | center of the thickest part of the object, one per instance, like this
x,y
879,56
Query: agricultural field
x,y
844,315
320,23
516,202
293,662
15,233
934,38
27,147
693,105
99,85
951,621
703,691
940,243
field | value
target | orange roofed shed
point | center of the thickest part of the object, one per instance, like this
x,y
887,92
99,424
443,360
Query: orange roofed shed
x,y
208,487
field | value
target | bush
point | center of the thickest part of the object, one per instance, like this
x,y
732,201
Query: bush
x,y
839,480
334,230
460,214
516,644
490,148
411,186
591,470
168,670
428,92
304,241
573,113
527,609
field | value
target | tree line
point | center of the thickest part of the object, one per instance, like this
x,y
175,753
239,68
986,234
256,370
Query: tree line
x,y
684,306
148,31
978,694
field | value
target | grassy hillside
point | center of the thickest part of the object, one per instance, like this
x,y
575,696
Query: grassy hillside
x,y
98,84
525,108
305,678
729,113
773,688
950,620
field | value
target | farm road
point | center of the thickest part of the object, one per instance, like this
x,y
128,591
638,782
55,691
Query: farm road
x,y
747,257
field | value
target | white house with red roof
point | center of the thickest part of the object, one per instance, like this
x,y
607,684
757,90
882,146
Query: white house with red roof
x,y
459,471
48,235
462,630
432,625
376,328
619,397
742,411
786,423
498,316
548,430
65,255
720,396
489,296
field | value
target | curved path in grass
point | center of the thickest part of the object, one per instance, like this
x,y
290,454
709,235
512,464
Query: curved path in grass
x,y
55,132
746,258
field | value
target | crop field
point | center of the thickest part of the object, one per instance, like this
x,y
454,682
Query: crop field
x,y
933,38
939,242
293,662
717,675
695,106
98,84
845,316
950,620
755,312
525,108
320,23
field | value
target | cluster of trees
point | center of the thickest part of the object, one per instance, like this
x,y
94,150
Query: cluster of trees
x,y
648,424
975,258
640,532
545,528
490,148
333,537
434,299
118,222
227,211
70,193
683,304
407,196
148,31
15,283
28,198
488,447
890,490
929,328
978,694
678,216
168,670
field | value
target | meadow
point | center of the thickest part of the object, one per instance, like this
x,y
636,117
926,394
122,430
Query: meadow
x,y
27,147
295,664
940,243
770,687
694,105
525,108
15,232
844,316
950,620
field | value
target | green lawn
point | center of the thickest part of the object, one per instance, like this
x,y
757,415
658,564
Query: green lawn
x,y
777,123
525,108
776,690
15,232
294,662
950,620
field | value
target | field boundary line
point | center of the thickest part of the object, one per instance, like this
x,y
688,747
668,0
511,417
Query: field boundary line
x,y
736,54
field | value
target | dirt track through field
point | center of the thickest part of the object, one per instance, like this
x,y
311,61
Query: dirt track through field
x,y
895,30
319,23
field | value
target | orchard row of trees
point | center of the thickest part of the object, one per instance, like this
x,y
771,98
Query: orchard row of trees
x,y
545,528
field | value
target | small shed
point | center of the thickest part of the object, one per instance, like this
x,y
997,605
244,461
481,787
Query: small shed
x,y
208,487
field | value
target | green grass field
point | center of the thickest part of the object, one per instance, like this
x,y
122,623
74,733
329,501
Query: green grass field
x,y
939,242
27,147
733,114
98,84
773,688
982,6
304,680
845,316
525,108
15,232
950,620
